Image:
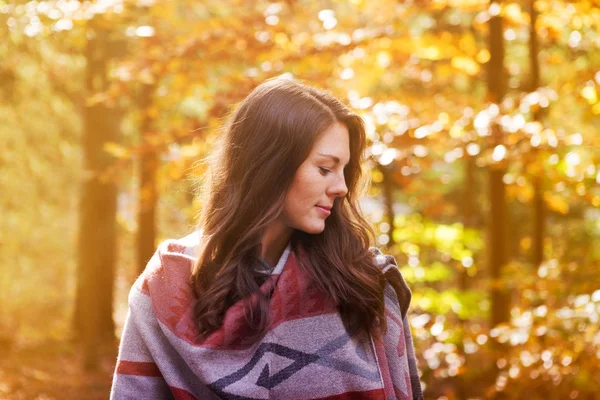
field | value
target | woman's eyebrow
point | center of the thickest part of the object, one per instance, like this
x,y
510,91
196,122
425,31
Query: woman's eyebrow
x,y
336,159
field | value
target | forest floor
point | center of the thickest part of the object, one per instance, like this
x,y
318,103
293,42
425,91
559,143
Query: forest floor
x,y
54,371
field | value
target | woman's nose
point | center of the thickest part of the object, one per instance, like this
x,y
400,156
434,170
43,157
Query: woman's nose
x,y
339,189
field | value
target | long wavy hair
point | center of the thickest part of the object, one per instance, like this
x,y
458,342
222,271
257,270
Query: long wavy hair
x,y
263,143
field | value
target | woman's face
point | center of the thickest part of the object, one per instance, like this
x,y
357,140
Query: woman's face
x,y
318,182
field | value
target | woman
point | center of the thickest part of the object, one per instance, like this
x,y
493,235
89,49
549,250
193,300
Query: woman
x,y
278,295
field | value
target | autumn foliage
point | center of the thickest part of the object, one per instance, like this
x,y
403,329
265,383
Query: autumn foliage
x,y
484,159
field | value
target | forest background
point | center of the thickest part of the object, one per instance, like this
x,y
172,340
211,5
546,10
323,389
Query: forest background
x,y
484,157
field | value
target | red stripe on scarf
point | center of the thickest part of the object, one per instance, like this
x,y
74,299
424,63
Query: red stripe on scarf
x,y
181,394
138,368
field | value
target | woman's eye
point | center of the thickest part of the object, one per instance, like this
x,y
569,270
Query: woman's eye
x,y
324,171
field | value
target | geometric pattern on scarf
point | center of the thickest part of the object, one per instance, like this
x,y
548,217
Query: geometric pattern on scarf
x,y
299,360
306,353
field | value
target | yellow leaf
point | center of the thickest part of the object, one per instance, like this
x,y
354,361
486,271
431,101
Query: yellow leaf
x,y
483,56
467,44
465,64
180,81
556,203
444,71
282,39
589,93
456,131
429,53
383,59
174,65
534,169
513,13
524,193
116,150
152,112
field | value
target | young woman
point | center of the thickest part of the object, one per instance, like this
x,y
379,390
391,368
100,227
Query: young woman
x,y
278,295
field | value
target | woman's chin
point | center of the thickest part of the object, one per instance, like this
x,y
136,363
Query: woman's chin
x,y
313,228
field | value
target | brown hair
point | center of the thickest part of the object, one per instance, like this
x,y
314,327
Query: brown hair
x,y
264,142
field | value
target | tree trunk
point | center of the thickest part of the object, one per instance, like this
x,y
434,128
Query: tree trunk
x,y
539,221
146,235
468,210
388,196
539,214
93,320
496,78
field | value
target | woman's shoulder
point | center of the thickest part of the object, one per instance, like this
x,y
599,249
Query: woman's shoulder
x,y
185,246
171,264
389,267
164,289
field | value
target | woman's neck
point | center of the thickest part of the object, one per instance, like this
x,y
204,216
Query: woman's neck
x,y
274,241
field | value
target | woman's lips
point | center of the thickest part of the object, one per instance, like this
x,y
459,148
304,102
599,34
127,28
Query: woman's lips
x,y
324,210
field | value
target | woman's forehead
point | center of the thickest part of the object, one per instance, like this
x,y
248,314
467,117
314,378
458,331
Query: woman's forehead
x,y
333,141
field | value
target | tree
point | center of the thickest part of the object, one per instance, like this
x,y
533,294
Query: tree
x,y
98,206
497,256
539,211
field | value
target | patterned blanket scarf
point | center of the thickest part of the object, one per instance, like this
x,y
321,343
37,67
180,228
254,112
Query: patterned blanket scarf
x,y
306,353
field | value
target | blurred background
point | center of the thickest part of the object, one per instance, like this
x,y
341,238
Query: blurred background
x,y
484,157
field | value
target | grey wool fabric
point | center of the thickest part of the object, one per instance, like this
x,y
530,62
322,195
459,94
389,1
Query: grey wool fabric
x,y
306,353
